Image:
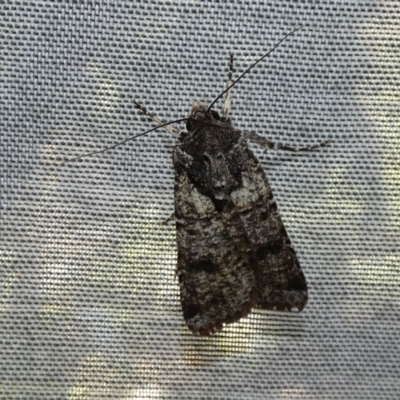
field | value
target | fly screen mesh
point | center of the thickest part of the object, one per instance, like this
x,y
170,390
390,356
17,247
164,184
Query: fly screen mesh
x,y
89,297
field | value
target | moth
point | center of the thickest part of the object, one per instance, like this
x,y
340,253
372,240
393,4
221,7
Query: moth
x,y
233,251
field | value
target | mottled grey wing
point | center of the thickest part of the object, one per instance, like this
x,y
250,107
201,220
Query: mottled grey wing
x,y
215,268
281,284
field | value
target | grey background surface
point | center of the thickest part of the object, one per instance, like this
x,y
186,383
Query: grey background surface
x,y
89,300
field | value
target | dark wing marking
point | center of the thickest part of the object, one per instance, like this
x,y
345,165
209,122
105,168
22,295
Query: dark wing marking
x,y
215,274
281,284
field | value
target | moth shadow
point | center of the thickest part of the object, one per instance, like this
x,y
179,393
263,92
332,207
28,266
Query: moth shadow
x,y
277,324
260,328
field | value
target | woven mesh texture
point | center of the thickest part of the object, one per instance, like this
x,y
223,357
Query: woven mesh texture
x,y
89,299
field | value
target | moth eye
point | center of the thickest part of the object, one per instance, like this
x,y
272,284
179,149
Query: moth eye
x,y
188,125
215,115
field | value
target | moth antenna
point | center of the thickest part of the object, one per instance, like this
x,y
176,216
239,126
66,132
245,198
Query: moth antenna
x,y
253,65
124,141
184,119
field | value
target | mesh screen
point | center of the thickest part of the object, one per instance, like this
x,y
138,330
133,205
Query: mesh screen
x,y
89,299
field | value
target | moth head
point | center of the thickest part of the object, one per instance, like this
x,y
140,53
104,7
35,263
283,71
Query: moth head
x,y
200,115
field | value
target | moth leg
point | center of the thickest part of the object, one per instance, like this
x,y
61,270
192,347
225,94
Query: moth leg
x,y
226,108
267,144
170,128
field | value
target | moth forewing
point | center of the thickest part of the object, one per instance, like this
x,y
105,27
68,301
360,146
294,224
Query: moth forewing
x,y
233,250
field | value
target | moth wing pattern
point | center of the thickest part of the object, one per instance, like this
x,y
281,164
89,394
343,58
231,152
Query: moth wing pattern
x,y
233,251
216,278
281,284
